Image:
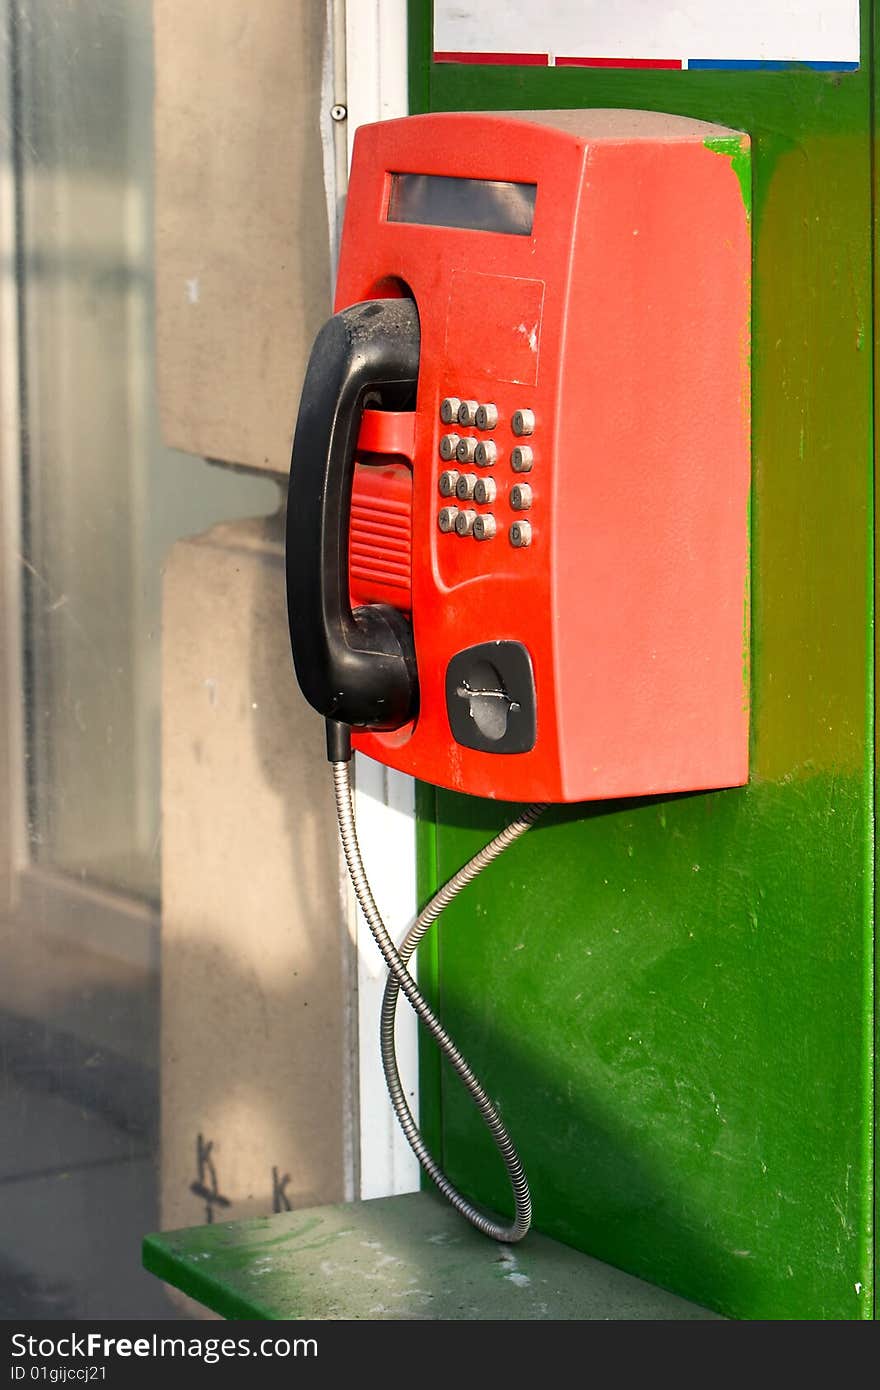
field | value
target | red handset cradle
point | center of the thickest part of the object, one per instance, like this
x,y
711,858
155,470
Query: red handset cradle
x,y
517,521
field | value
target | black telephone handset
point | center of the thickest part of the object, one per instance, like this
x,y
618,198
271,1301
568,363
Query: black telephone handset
x,y
356,667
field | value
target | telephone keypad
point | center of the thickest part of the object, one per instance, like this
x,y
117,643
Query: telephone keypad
x,y
484,490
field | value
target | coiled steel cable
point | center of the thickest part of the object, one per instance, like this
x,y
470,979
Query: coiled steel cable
x,y
400,979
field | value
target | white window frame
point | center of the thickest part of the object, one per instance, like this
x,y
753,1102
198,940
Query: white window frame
x,y
375,88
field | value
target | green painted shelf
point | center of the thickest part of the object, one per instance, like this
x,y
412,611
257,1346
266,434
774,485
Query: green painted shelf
x,y
406,1257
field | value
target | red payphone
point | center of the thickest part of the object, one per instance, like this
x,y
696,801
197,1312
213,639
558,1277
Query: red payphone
x,y
517,544
533,581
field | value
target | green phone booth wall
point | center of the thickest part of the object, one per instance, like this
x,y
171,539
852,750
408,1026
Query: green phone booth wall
x,y
672,999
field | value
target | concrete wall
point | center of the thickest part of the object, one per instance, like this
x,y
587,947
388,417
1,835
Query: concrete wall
x,y
243,265
256,997
257,1066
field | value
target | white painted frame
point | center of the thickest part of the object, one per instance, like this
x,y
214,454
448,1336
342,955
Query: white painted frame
x,y
376,90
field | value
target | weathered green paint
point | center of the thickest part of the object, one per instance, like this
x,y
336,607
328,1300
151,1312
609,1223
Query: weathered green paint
x,y
398,1257
672,999
740,161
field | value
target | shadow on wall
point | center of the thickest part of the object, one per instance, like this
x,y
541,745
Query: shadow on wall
x,y
614,1186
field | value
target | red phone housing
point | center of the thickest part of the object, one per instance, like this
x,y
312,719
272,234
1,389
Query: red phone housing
x,y
620,319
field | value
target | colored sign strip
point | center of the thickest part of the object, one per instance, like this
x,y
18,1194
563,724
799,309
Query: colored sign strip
x,y
617,63
769,65
543,60
532,60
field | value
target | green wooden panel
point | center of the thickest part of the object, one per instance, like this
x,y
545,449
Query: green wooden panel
x,y
672,998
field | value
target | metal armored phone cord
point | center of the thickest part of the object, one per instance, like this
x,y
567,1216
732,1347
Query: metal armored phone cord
x,y
400,979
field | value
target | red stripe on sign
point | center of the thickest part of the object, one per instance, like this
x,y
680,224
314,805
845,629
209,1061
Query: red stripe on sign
x,y
531,60
619,63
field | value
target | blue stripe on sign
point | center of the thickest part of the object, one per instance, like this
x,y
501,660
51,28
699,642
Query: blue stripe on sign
x,y
768,65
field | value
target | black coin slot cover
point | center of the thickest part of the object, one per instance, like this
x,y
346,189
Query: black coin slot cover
x,y
490,698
